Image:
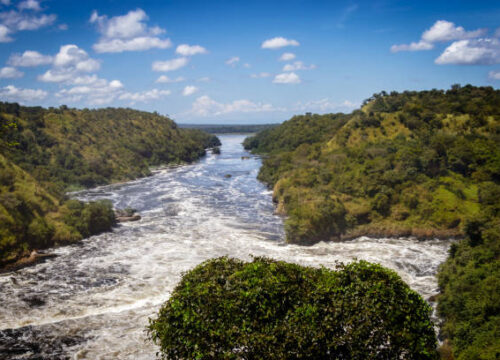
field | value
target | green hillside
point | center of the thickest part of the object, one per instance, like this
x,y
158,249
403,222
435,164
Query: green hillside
x,y
415,163
46,152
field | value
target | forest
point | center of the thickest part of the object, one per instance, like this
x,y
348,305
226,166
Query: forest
x,y
423,164
44,153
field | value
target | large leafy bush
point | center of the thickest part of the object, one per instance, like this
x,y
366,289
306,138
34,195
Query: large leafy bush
x,y
266,309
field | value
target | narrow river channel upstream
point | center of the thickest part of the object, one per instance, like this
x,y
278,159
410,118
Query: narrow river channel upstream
x,y
94,299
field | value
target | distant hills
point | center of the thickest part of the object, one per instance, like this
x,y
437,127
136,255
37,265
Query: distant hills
x,y
228,129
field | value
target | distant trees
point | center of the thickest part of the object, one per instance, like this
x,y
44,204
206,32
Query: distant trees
x,y
266,309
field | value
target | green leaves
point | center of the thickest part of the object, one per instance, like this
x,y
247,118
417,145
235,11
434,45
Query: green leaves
x,y
266,309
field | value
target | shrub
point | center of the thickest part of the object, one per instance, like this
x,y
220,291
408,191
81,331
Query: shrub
x,y
90,218
266,309
98,216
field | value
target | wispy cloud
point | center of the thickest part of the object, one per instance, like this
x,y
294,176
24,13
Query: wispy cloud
x,y
324,105
494,75
165,79
204,106
346,14
233,61
288,56
298,65
260,75
170,65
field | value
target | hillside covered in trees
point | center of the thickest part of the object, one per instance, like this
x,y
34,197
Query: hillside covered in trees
x,y
415,163
46,152
424,164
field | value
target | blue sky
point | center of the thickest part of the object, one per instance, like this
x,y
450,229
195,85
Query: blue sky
x,y
241,61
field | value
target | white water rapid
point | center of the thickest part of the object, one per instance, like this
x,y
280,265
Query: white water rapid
x,y
93,300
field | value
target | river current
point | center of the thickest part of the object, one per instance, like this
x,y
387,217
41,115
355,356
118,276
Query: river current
x,y
94,299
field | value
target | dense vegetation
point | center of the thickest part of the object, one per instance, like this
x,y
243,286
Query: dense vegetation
x,y
265,309
470,283
414,163
411,163
82,148
46,152
228,129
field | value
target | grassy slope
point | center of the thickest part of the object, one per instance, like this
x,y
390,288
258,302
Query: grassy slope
x,y
50,151
424,163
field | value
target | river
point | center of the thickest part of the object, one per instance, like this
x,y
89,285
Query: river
x,y
93,300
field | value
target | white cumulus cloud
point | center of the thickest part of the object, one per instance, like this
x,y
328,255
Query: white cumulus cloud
x,y
9,72
287,78
68,63
170,65
189,90
23,96
278,42
189,50
21,21
29,58
127,32
441,31
471,52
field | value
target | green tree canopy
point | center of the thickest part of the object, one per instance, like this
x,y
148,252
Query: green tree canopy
x,y
266,309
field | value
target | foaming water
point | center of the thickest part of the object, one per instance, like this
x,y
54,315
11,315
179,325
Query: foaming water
x,y
93,300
